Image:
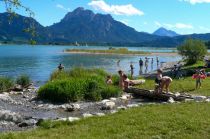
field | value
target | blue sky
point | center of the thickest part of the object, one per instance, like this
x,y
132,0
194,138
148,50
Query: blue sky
x,y
182,16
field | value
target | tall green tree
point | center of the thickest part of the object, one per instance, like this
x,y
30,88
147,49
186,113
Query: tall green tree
x,y
192,50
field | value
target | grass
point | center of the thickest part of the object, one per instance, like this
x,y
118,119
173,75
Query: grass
x,y
6,84
175,121
78,84
108,51
186,85
23,80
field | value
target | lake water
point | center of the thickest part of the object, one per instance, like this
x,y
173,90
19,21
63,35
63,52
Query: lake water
x,y
40,61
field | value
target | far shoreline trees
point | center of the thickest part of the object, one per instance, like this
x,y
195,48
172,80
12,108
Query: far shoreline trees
x,y
192,50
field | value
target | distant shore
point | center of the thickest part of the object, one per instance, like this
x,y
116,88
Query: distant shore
x,y
106,52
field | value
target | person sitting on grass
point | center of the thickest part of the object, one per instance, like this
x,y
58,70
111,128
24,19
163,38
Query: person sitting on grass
x,y
162,81
200,74
109,80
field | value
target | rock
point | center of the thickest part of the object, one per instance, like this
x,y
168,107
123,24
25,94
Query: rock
x,y
121,108
177,94
30,122
108,105
113,99
71,119
171,100
86,115
199,98
10,116
100,114
132,105
16,93
113,111
104,101
18,88
62,119
208,100
72,107
6,98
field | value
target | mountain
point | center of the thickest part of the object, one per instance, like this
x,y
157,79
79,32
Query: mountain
x,y
14,28
164,32
84,26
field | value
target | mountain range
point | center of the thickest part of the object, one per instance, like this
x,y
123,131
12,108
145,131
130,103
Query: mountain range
x,y
84,26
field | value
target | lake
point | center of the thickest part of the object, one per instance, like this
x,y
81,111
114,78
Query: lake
x,y
40,61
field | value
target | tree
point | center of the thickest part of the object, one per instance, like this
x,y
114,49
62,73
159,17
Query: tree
x,y
208,44
12,5
192,50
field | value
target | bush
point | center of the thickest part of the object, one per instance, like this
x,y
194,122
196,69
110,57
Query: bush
x,y
192,50
78,84
6,84
110,91
23,80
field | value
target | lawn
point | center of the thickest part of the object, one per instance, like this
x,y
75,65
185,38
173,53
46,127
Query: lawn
x,y
186,120
185,85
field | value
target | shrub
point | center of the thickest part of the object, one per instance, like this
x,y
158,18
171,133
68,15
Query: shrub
x,y
78,84
23,80
63,90
192,50
6,84
110,91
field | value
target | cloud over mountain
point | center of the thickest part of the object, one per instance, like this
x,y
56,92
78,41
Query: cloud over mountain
x,y
128,9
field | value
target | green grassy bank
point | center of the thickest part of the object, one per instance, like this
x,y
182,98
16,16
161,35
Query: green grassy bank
x,y
175,121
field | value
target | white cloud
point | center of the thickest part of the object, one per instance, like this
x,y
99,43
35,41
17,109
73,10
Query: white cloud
x,y
62,7
174,26
115,9
183,26
196,1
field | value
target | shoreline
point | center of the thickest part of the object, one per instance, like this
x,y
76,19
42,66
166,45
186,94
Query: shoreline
x,y
146,54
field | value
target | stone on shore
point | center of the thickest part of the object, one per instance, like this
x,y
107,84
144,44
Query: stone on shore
x,y
30,122
86,115
171,100
108,105
9,116
199,98
72,107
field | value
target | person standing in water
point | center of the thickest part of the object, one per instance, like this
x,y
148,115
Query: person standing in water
x,y
157,59
152,61
141,64
60,67
132,70
146,64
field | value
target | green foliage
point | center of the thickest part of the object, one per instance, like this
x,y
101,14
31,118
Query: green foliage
x,y
5,84
208,44
23,80
78,84
192,51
